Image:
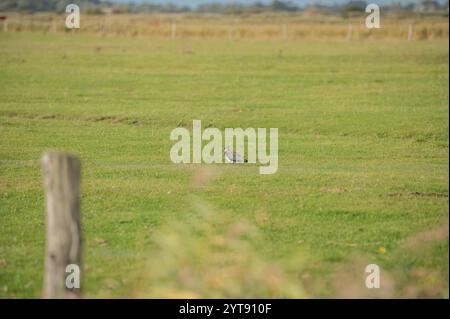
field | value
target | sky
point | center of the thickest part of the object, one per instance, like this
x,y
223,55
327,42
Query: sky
x,y
300,3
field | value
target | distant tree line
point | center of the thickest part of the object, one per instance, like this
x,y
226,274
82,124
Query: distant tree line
x,y
45,5
105,6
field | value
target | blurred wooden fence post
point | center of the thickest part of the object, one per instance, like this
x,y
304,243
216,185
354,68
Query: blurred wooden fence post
x,y
231,33
285,31
410,32
174,30
63,222
349,32
5,25
103,28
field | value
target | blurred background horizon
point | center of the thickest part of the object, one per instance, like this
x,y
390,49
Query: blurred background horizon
x,y
221,6
298,3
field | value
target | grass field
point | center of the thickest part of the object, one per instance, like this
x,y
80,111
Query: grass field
x,y
363,164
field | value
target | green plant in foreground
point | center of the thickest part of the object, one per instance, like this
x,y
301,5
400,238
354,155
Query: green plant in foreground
x,y
213,256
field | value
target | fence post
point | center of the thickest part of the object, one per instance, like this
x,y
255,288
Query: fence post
x,y
349,31
285,31
103,28
5,25
174,30
62,174
410,32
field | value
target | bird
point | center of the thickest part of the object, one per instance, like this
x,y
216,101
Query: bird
x,y
233,157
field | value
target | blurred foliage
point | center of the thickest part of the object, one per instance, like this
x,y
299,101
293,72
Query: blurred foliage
x,y
214,255
99,6
45,5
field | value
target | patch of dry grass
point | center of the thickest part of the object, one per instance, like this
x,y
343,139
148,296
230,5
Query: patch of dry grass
x,y
290,27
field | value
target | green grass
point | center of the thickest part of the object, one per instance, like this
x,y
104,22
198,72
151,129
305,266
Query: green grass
x,y
363,151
